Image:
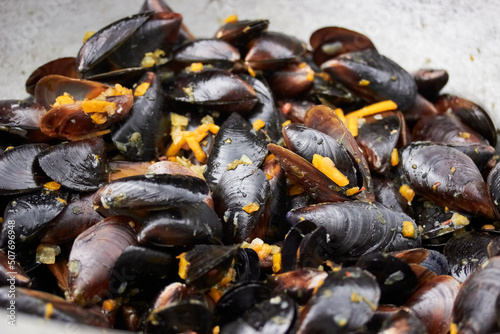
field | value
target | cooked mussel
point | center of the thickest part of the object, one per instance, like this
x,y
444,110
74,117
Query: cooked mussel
x,y
430,82
62,66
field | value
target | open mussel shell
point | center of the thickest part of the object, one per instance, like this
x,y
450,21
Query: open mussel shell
x,y
182,317
469,113
447,177
137,265
206,51
159,32
299,284
265,109
234,139
274,315
141,135
29,215
62,66
433,302
107,40
474,310
306,142
237,190
430,82
76,217
356,228
22,120
214,88
19,169
93,256
428,258
152,192
48,306
239,33
126,77
294,110
395,278
323,119
239,299
466,252
273,49
207,264
319,186
386,79
182,225
345,301
329,42
52,86
377,139
78,165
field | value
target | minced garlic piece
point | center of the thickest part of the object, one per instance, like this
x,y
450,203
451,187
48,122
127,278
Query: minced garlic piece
x,y
364,82
231,18
196,67
252,207
183,265
258,124
49,310
99,118
87,35
408,229
53,185
285,123
327,167
276,262
310,75
459,220
141,89
64,99
407,192
109,305
394,157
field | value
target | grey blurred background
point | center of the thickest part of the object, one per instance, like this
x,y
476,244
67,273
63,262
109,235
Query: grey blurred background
x,y
461,36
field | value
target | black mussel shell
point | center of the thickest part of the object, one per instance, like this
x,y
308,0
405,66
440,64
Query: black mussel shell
x,y
159,32
137,265
294,110
306,142
244,187
470,113
329,42
377,139
395,278
493,183
262,317
126,77
62,66
292,80
299,284
234,139
11,272
466,252
207,264
78,165
474,310
214,88
386,190
319,186
75,218
182,225
323,119
93,256
447,177
247,265
19,169
430,82
420,109
22,119
98,46
403,322
386,79
356,228
182,317
49,306
447,129
238,33
29,215
239,299
273,49
207,51
345,301
432,303
153,192
265,109
141,135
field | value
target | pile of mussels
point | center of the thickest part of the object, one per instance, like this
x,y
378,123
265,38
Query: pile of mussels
x,y
245,184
